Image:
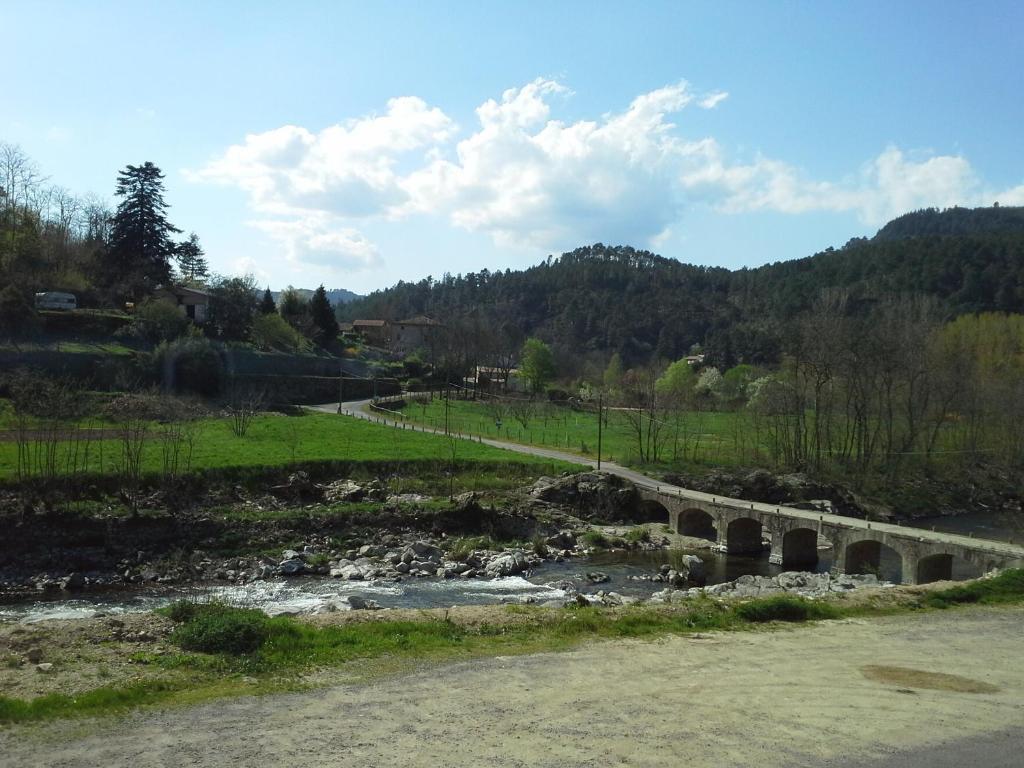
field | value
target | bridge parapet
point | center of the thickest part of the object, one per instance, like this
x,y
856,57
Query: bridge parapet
x,y
739,527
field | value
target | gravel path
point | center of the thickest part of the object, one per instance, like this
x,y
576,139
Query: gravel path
x,y
795,697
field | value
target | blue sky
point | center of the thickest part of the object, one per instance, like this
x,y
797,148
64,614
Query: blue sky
x,y
357,144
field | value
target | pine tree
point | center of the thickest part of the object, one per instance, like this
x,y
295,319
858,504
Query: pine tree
x,y
267,305
322,312
140,248
191,263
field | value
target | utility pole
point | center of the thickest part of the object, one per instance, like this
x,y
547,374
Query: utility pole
x,y
341,385
600,419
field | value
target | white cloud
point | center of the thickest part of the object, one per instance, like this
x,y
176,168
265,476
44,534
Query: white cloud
x,y
346,169
523,176
712,100
320,240
887,186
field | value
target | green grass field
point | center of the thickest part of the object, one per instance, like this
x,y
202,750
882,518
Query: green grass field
x,y
277,440
714,438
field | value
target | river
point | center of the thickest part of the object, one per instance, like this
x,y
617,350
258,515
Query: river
x,y
309,594
306,594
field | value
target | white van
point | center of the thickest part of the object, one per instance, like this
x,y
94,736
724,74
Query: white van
x,y
56,300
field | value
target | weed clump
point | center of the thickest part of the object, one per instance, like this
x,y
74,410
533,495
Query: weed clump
x,y
595,540
218,628
638,535
1005,588
784,608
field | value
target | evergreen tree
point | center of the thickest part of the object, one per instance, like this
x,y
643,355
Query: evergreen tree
x,y
140,247
267,305
322,312
191,263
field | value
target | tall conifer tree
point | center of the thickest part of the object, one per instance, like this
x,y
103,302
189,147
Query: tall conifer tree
x,y
140,248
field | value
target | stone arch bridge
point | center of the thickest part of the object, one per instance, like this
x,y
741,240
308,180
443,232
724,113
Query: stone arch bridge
x,y
740,527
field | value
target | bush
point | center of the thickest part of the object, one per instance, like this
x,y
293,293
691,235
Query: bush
x,y
158,320
217,628
18,318
784,608
595,539
272,332
189,365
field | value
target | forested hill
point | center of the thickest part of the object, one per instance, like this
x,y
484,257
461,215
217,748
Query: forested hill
x,y
954,221
616,299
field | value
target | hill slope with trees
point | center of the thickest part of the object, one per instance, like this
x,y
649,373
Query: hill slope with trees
x,y
616,299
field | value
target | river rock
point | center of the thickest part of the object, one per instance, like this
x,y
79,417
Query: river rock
x,y
291,567
72,582
597,577
562,540
507,564
343,491
346,569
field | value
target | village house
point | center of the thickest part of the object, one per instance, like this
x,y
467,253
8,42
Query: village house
x,y
192,302
376,332
412,334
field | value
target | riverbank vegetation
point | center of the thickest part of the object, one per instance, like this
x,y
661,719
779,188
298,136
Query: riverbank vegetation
x,y
214,650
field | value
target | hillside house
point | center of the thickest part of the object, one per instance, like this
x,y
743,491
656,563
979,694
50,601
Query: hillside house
x,y
376,332
412,334
192,302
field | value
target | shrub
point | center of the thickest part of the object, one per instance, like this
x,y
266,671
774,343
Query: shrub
x,y
784,608
217,628
595,539
189,365
272,332
158,320
18,317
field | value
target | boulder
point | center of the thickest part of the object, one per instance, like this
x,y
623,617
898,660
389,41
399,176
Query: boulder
x,y
343,491
597,577
291,567
507,564
423,550
72,582
345,569
562,540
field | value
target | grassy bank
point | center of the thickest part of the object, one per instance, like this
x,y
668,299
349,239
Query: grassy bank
x,y
229,651
271,440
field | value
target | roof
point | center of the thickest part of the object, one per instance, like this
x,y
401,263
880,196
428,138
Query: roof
x,y
344,326
182,290
369,323
419,320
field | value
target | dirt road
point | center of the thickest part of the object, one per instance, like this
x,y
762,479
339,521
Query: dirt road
x,y
835,694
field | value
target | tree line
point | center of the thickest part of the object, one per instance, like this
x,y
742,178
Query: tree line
x,y
52,240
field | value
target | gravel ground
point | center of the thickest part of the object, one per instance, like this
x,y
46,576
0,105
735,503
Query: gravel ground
x,y
809,696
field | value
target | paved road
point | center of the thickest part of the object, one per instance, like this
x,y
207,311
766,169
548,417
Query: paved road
x,y
361,409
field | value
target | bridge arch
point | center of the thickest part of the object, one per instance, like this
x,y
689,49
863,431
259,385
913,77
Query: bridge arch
x,y
650,511
872,556
698,524
743,536
943,566
800,548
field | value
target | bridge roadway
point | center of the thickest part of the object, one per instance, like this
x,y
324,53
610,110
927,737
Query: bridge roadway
x,y
741,527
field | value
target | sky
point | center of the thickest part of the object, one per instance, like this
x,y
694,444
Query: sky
x,y
359,144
